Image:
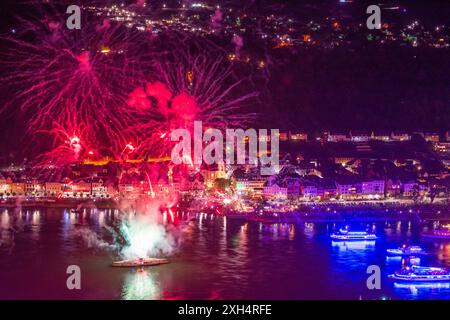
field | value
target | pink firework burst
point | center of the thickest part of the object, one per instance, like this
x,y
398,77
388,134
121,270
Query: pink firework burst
x,y
57,75
184,87
116,89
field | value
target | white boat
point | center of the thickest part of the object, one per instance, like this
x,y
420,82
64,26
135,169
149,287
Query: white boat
x,y
421,274
406,251
345,235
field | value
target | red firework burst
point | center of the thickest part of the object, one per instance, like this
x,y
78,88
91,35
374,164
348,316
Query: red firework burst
x,y
70,144
115,89
57,75
185,87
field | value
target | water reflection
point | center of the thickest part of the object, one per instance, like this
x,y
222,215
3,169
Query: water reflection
x,y
345,246
6,234
139,284
4,220
36,225
422,289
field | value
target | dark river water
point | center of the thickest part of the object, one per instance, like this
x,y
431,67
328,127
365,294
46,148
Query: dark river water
x,y
215,258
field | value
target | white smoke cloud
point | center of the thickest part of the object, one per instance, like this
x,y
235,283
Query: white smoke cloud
x,y
145,238
93,241
140,233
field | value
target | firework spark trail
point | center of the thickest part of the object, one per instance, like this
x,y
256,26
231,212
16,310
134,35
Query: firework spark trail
x,y
58,75
185,87
70,144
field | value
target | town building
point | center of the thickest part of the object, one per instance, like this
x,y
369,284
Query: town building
x,y
297,136
54,188
250,186
4,186
431,137
277,190
336,136
380,136
372,189
359,136
348,188
400,136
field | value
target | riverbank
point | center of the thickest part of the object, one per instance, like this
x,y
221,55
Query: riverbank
x,y
362,212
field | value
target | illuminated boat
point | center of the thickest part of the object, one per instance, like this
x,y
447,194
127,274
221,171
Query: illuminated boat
x,y
345,235
421,274
441,233
141,262
406,251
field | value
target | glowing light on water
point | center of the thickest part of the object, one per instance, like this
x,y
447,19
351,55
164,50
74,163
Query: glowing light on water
x,y
421,287
4,221
101,218
140,285
291,232
36,217
200,220
152,193
353,245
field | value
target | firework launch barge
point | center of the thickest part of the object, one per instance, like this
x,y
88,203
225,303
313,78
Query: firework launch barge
x,y
141,262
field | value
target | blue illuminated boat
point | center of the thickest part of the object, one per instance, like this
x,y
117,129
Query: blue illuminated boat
x,y
406,251
421,274
346,235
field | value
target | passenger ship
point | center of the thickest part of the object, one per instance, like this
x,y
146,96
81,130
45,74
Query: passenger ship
x,y
406,251
421,274
345,235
